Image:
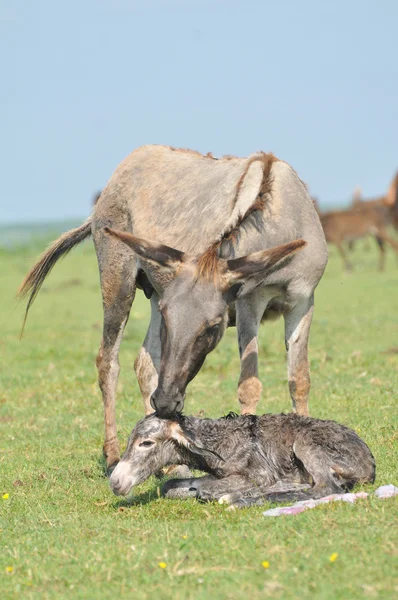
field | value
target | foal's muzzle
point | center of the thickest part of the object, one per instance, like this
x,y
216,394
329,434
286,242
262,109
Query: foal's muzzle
x,y
121,480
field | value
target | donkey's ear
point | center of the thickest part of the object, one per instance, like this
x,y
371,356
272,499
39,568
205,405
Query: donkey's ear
x,y
244,274
158,253
160,262
188,441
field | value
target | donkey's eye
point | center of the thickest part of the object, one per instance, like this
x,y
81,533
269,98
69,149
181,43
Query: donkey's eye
x,y
214,325
147,443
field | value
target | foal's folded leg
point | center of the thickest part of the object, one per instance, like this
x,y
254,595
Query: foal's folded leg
x,y
205,488
184,488
259,495
212,489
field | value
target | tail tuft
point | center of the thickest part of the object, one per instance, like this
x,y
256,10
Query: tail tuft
x,y
34,279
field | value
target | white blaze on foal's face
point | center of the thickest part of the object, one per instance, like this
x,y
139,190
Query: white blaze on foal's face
x,y
153,444
122,480
149,448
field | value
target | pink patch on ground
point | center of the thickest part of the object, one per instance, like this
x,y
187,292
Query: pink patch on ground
x,y
384,491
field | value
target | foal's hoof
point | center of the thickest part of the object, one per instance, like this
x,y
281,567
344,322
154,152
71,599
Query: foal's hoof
x,y
238,504
234,500
226,499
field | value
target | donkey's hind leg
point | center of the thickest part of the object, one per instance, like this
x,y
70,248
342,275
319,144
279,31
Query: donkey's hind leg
x,y
118,273
249,312
297,330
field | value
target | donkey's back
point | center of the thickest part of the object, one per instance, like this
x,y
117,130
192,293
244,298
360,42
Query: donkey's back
x,y
175,196
187,200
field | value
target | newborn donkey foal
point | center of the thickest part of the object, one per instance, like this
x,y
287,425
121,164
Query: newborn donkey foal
x,y
249,459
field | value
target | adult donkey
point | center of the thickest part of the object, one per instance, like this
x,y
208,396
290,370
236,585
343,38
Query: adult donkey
x,y
226,256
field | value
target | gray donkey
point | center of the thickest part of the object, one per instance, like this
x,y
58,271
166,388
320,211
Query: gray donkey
x,y
249,459
226,256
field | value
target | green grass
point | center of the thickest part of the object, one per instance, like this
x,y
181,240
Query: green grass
x,y
65,534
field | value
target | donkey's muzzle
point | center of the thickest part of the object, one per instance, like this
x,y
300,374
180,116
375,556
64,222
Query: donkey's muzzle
x,y
166,407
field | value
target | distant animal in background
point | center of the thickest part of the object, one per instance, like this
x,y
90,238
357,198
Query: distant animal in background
x,y
371,217
392,201
389,200
249,459
357,201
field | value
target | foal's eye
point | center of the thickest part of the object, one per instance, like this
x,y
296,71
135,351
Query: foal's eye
x,y
147,443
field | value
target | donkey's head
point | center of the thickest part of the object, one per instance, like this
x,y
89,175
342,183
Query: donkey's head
x,y
153,444
194,296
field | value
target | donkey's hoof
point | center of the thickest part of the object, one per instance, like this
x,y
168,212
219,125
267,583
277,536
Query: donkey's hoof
x,y
112,456
111,467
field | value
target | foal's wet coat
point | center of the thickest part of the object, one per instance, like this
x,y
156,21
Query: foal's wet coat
x,y
249,459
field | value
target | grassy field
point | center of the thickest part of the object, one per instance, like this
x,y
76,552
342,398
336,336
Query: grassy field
x,y
62,532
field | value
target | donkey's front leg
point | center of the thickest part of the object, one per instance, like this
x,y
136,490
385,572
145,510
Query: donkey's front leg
x,y
118,291
297,329
147,362
249,311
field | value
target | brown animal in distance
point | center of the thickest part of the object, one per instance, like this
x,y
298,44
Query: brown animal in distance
x,y
371,217
211,237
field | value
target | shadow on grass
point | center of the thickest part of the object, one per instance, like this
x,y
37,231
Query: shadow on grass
x,y
140,500
101,462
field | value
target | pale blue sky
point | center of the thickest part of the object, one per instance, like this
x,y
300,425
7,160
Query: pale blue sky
x,y
84,83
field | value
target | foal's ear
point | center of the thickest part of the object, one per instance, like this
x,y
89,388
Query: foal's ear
x,y
244,274
187,440
160,262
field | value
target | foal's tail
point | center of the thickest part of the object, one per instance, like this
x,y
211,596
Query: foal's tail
x,y
34,279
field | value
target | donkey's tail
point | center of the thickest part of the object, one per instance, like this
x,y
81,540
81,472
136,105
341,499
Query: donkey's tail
x,y
34,279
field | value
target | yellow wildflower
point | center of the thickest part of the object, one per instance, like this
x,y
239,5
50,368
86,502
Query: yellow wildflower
x,y
184,537
162,565
6,496
333,557
265,564
9,569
